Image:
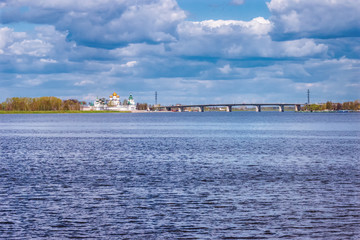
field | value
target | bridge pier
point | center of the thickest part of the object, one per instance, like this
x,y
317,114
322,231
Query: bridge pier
x,y
258,108
281,108
201,109
229,108
297,108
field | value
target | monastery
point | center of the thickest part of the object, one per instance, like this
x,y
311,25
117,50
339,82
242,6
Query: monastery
x,y
113,104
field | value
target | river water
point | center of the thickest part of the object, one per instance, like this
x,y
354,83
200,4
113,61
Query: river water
x,y
212,175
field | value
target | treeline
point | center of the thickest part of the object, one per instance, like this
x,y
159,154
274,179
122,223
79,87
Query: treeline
x,y
330,106
143,106
40,104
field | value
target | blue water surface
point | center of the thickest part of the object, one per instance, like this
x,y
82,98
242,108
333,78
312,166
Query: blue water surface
x,y
211,175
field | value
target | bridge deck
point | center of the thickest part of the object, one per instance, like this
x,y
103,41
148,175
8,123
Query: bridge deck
x,y
233,104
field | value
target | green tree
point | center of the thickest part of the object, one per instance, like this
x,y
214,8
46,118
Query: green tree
x,y
338,106
328,105
71,104
314,107
346,106
356,105
141,106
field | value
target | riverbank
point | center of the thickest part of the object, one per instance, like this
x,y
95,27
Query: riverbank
x,y
58,112
326,111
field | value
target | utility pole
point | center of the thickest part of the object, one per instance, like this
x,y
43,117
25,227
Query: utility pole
x,y
308,96
155,97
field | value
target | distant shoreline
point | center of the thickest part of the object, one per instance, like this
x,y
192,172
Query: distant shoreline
x,y
59,112
144,111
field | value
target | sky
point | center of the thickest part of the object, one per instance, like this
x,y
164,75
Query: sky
x,y
189,51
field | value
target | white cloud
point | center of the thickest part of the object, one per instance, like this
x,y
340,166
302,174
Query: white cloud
x,y
30,82
4,36
221,37
84,82
302,47
237,2
225,69
129,64
8,36
48,60
239,39
315,18
40,43
140,45
35,47
106,24
257,26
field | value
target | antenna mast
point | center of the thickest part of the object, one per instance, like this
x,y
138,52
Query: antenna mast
x,y
308,96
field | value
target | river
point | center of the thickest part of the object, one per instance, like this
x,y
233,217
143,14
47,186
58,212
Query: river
x,y
211,175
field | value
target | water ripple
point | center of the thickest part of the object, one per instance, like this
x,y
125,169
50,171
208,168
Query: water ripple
x,y
174,186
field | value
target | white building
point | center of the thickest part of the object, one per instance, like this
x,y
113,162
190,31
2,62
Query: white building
x,y
99,105
114,100
114,104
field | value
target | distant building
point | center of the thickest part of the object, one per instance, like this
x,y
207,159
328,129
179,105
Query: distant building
x,y
113,104
131,101
114,101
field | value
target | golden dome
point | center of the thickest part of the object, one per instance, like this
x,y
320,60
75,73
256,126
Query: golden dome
x,y
114,94
110,96
118,96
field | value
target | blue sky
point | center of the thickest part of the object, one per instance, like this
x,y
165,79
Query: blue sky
x,y
200,10
202,51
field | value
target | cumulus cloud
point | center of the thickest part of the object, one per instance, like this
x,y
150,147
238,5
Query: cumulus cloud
x,y
239,39
8,36
315,18
42,51
35,47
146,44
258,26
39,43
104,24
302,47
229,37
46,51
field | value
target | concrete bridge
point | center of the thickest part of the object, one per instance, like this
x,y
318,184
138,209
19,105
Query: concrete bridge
x,y
201,107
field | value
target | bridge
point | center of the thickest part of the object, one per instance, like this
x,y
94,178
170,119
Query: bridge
x,y
201,107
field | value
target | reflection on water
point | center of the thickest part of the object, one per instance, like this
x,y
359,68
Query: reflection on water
x,y
181,175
